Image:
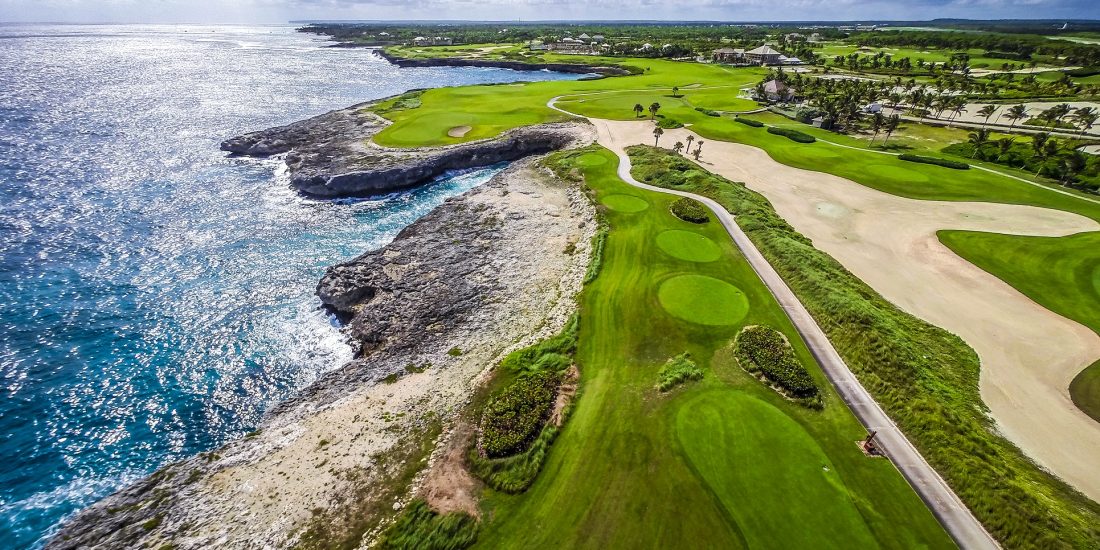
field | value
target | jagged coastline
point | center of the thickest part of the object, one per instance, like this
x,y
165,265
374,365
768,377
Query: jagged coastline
x,y
573,68
489,271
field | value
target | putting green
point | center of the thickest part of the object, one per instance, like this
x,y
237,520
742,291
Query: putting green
x,y
817,152
690,246
591,160
703,300
896,173
769,474
625,203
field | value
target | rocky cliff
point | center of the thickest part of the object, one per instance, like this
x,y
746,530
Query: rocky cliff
x,y
331,155
487,272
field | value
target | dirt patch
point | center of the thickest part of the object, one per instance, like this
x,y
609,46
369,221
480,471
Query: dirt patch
x,y
566,393
459,131
449,487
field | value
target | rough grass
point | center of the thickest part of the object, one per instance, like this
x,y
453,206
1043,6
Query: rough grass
x,y
420,527
925,377
952,164
678,370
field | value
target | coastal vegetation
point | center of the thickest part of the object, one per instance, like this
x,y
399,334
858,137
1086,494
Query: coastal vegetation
x,y
924,377
604,457
764,350
690,210
418,526
952,164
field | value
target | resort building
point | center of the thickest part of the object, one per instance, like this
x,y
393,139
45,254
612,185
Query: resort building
x,y
764,55
728,55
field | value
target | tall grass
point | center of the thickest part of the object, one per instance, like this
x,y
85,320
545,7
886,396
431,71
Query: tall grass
x,y
420,527
925,377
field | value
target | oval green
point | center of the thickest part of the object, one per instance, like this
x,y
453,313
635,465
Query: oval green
x,y
591,159
625,203
688,245
703,300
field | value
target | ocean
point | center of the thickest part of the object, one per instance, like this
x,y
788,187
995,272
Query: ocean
x,y
156,296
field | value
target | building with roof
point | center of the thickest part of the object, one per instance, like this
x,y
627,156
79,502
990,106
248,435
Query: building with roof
x,y
775,90
728,55
764,55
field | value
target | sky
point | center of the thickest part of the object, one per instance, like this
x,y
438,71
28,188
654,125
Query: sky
x,y
282,11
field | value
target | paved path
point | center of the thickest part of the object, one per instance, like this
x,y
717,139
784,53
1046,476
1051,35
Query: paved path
x,y
956,518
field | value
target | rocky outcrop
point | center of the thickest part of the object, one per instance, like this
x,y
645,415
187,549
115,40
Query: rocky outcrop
x,y
485,273
331,155
573,68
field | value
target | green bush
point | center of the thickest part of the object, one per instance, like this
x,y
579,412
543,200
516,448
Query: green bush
x,y
420,527
514,417
923,376
764,350
793,135
669,123
514,474
676,371
690,210
953,164
708,112
749,122
555,352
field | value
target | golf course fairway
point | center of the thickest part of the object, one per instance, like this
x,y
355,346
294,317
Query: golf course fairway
x,y
724,462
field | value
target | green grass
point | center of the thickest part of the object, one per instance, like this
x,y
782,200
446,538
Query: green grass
x,y
418,526
688,245
924,377
703,300
1060,273
634,468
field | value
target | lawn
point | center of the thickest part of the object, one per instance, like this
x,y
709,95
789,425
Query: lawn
x,y
1060,273
930,55
924,377
724,462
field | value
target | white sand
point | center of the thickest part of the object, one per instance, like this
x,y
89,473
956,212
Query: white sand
x,y
1029,355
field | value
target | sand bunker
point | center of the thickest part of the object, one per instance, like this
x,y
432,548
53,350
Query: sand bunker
x,y
1028,354
458,131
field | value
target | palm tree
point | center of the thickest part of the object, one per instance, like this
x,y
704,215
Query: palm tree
x,y
698,149
1085,118
891,125
1015,113
977,139
689,140
678,146
877,122
957,106
1071,166
657,133
1005,145
675,91
1039,144
653,108
987,112
638,109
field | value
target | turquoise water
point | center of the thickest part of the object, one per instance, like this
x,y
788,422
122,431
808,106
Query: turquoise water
x,y
156,297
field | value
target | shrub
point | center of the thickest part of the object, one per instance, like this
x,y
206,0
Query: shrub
x,y
514,474
669,123
418,526
689,210
676,371
953,164
793,135
596,261
708,112
1084,72
749,122
513,417
764,350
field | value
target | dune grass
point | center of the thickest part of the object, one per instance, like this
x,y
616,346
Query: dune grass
x,y
924,377
1060,273
723,462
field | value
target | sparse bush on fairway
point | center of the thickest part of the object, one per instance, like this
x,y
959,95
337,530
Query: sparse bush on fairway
x,y
708,112
953,164
793,135
764,350
419,527
513,417
749,122
923,376
676,371
690,210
